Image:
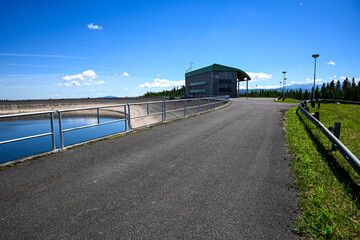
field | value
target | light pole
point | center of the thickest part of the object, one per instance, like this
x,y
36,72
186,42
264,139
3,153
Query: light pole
x,y
256,90
284,83
280,88
314,56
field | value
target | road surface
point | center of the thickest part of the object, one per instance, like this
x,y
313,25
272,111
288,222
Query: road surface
x,y
220,175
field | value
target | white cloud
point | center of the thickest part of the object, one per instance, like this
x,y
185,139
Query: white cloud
x,y
331,63
333,77
309,80
89,73
125,74
73,77
342,78
162,83
259,76
93,26
126,89
83,79
268,87
91,83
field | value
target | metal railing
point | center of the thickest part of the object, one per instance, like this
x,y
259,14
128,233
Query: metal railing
x,y
62,131
52,133
186,105
348,155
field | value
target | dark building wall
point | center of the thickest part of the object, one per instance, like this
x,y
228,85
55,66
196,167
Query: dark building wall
x,y
222,83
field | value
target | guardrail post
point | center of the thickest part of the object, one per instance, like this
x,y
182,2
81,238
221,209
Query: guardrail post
x,y
147,109
61,131
125,118
185,108
208,103
98,115
215,102
164,120
129,116
199,106
316,115
52,130
337,127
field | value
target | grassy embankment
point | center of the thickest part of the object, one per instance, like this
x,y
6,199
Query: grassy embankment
x,y
329,187
288,100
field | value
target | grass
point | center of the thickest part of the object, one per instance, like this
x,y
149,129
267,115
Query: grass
x,y
288,100
329,187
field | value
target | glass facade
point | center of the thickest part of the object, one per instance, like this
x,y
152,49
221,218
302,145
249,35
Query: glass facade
x,y
197,83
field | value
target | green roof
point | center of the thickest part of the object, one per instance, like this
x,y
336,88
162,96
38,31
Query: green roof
x,y
219,68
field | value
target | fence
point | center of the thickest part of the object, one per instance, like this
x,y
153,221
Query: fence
x,y
348,155
167,109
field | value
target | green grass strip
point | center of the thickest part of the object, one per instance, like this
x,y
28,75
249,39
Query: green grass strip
x,y
329,187
287,100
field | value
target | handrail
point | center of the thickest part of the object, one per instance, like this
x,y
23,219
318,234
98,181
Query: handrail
x,y
199,103
33,136
348,155
62,131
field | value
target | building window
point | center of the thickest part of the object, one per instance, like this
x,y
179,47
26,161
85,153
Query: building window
x,y
197,83
224,80
225,89
197,91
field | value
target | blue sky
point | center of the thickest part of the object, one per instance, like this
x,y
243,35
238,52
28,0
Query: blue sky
x,y
70,49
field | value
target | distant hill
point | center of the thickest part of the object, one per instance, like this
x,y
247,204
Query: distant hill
x,y
109,97
303,87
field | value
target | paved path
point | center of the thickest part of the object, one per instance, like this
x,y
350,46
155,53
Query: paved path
x,y
221,175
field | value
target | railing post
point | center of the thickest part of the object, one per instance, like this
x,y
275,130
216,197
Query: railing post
x,y
125,118
52,130
185,108
61,131
98,115
164,119
147,108
162,111
337,128
199,106
129,116
208,103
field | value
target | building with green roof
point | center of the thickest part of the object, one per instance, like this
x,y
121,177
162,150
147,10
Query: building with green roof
x,y
214,80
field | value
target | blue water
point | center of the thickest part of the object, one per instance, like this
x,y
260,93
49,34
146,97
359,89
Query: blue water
x,y
22,128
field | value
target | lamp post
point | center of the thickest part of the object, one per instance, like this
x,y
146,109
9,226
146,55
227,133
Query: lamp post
x,y
280,88
314,56
284,83
256,90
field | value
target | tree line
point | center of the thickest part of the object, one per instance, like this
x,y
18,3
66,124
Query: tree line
x,y
175,92
347,90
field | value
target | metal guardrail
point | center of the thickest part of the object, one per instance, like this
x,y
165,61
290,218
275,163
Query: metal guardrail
x,y
210,102
338,100
348,155
33,136
62,131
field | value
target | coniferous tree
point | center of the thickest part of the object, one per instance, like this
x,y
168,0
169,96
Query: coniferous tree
x,y
353,84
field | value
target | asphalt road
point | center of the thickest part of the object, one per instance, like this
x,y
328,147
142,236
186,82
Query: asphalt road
x,y
220,175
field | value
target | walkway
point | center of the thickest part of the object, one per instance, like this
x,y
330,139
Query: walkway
x,y
221,175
